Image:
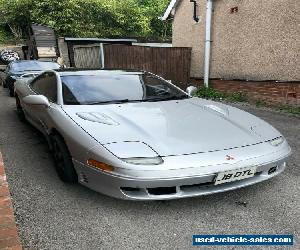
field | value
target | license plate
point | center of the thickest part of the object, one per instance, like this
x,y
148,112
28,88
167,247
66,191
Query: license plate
x,y
235,175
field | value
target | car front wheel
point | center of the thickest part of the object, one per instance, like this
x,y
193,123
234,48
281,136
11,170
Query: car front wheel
x,y
11,92
63,160
20,111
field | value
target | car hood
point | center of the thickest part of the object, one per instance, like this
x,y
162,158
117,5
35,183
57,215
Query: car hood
x,y
172,127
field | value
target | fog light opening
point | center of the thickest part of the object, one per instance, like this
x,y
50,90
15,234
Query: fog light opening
x,y
162,190
272,170
130,189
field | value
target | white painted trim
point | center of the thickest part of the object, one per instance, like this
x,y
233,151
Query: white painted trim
x,y
209,7
102,56
169,10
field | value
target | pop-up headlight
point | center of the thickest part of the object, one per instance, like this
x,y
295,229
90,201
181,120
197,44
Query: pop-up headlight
x,y
277,141
144,160
137,153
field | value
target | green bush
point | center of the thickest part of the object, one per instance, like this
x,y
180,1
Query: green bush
x,y
5,36
209,93
93,18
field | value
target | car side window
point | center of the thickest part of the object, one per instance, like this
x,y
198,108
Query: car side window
x,y
46,84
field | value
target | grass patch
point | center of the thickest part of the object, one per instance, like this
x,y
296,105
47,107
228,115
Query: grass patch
x,y
295,110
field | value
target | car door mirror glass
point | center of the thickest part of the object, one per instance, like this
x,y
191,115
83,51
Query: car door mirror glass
x,y
36,100
191,90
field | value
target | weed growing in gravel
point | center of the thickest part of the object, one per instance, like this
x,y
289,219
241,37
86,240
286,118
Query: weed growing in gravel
x,y
237,97
210,93
260,103
289,109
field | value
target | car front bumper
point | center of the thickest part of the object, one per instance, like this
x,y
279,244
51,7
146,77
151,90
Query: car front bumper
x,y
180,183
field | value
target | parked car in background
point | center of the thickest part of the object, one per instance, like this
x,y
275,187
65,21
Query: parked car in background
x,y
7,56
133,135
18,69
2,74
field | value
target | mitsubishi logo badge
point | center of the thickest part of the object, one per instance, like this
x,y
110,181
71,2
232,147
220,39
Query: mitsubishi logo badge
x,y
229,158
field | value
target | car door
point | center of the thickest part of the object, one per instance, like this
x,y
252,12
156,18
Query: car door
x,y
46,85
30,110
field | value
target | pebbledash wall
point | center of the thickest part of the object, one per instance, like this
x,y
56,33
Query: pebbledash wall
x,y
258,43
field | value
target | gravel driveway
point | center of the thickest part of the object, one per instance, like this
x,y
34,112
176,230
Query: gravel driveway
x,y
53,215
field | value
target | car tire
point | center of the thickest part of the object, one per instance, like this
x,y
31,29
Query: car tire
x,y
63,160
20,111
11,92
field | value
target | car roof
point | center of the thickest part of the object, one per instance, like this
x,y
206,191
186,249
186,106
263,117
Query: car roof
x,y
32,61
87,72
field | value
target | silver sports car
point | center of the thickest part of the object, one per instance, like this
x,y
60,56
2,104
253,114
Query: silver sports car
x,y
133,135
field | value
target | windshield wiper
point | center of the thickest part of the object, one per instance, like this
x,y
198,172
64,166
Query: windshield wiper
x,y
108,102
172,97
30,70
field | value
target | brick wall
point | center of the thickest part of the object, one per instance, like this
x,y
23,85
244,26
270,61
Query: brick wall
x,y
9,238
271,92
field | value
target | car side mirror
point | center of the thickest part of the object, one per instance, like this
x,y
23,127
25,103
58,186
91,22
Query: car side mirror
x,y
36,100
28,75
191,90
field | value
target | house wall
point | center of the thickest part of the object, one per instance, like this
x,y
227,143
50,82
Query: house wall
x,y
259,42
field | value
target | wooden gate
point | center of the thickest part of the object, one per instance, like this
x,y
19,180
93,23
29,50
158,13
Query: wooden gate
x,y
87,56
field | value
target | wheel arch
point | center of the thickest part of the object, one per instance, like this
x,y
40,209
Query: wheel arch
x,y
53,132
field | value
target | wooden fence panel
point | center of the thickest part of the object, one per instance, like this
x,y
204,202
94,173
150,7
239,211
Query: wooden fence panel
x,y
170,63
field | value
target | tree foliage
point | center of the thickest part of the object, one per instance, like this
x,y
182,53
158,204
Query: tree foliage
x,y
97,18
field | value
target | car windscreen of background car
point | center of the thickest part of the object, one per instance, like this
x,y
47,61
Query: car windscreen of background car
x,y
94,89
34,66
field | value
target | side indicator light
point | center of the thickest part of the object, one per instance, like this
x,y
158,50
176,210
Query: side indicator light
x,y
100,165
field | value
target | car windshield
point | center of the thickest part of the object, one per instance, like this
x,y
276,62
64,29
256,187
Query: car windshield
x,y
33,66
117,88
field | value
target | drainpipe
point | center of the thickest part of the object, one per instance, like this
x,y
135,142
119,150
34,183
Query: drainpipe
x,y
207,41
